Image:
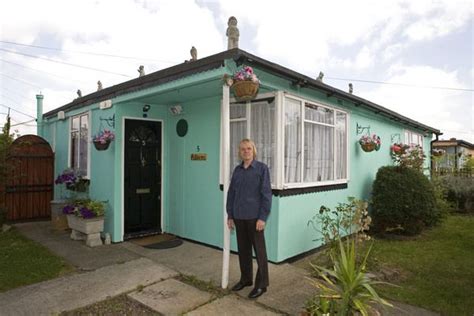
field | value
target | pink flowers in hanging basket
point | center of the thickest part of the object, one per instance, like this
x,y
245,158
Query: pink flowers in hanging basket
x,y
370,143
103,139
244,83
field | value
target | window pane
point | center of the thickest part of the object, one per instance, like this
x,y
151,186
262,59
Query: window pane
x,y
262,132
341,146
238,131
292,141
318,152
83,147
75,124
319,114
237,110
74,150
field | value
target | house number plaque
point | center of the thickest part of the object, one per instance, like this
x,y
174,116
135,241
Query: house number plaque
x,y
198,156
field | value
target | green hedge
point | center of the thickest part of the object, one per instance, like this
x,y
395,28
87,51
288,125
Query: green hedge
x,y
403,201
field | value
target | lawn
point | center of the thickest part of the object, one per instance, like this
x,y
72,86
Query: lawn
x,y
434,270
24,262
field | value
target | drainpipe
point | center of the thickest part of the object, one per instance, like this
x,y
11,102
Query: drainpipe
x,y
39,115
431,151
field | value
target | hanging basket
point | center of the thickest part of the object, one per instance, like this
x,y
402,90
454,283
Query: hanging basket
x,y
101,146
245,90
368,147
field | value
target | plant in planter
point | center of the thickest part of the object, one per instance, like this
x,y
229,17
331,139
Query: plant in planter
x,y
73,182
86,219
103,139
370,143
244,83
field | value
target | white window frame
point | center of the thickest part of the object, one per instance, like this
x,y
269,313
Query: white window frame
x,y
278,182
409,136
88,113
247,118
303,120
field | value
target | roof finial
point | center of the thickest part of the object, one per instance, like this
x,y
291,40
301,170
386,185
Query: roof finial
x,y
99,85
232,33
141,71
351,88
79,93
320,76
194,54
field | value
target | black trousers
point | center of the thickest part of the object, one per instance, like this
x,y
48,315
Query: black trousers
x,y
248,237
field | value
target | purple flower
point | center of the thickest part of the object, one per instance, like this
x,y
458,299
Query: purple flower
x,y
86,213
104,136
68,209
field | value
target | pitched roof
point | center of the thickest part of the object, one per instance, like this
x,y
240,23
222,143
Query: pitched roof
x,y
453,142
216,61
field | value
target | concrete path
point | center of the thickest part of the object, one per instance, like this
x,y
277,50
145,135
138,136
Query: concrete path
x,y
121,268
82,289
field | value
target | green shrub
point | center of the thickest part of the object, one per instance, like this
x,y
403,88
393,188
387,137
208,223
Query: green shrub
x,y
403,201
460,192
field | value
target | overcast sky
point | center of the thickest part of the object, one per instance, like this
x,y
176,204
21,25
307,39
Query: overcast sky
x,y
421,51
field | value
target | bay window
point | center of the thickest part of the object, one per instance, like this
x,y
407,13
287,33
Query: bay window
x,y
304,143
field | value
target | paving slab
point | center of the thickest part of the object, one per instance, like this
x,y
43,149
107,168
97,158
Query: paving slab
x,y
75,252
231,305
171,297
82,289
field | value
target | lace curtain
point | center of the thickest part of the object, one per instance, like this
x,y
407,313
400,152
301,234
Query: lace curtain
x,y
261,130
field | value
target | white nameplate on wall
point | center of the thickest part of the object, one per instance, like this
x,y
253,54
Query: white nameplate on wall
x,y
105,104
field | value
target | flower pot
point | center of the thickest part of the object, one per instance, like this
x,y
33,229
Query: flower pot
x,y
101,146
86,229
58,219
245,90
368,147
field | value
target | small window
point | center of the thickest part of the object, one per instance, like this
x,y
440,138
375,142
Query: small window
x,y
413,138
79,144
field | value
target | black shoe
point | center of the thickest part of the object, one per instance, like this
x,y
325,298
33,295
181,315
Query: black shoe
x,y
239,286
256,292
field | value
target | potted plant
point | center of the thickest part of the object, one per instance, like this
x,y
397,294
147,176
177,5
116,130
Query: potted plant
x,y
86,219
73,182
244,83
370,143
103,139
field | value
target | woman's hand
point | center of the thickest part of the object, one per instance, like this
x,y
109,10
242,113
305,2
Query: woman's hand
x,y
260,225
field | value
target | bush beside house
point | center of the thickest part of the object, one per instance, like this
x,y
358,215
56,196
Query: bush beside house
x,y
403,201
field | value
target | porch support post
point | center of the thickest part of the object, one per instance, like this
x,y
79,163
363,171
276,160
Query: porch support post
x,y
225,121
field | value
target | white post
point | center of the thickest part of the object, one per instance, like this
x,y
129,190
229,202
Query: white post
x,y
225,121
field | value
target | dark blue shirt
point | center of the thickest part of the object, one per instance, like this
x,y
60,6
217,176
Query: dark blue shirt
x,y
250,192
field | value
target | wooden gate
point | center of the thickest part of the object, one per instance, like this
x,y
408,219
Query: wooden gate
x,y
29,184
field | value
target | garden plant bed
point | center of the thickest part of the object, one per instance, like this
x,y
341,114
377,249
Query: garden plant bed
x,y
432,270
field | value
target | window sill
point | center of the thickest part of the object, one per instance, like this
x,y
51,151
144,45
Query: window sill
x,y
304,190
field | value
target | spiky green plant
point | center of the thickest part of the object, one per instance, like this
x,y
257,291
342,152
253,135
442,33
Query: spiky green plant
x,y
346,289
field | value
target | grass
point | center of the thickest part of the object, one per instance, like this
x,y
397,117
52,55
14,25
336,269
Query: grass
x,y
24,262
434,270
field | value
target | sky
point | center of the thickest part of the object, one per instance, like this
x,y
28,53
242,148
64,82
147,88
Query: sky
x,y
414,57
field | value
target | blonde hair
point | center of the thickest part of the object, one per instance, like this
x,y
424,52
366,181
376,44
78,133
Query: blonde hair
x,y
254,148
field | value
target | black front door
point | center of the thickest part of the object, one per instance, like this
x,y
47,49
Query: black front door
x,y
142,181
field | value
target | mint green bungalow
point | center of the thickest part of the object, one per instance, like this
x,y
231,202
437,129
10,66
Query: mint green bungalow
x,y
178,129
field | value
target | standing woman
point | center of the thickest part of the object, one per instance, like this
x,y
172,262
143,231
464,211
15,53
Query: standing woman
x,y
249,201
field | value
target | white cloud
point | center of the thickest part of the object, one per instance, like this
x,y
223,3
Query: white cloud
x,y
447,110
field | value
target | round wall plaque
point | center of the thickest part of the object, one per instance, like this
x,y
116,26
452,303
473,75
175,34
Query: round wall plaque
x,y
182,128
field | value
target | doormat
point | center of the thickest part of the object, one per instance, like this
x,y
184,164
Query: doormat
x,y
149,240
166,244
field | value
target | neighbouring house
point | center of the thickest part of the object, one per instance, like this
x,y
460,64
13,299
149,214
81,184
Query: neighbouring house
x,y
453,153
164,170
